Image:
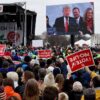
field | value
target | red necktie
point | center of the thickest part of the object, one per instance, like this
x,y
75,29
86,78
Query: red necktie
x,y
66,27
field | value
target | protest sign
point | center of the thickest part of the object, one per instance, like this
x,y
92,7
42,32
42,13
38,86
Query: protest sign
x,y
80,59
2,49
44,53
37,43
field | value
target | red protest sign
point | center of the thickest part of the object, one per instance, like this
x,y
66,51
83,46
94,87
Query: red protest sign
x,y
80,59
44,53
2,49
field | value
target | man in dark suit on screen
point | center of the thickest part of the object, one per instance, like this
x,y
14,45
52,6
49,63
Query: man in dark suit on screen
x,y
79,20
65,24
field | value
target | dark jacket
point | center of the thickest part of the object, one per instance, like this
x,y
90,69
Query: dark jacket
x,y
81,25
64,69
59,25
75,95
20,90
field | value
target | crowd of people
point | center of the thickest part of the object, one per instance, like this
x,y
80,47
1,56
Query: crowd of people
x,y
23,76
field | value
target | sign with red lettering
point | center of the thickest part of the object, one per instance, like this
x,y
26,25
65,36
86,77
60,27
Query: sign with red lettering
x,y
2,49
80,59
44,53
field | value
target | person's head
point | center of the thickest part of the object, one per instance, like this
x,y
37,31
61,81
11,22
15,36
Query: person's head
x,y
50,69
89,94
66,11
59,79
26,76
50,93
77,86
96,81
8,82
56,71
61,60
13,76
89,14
49,62
19,71
69,51
5,64
49,80
42,73
76,12
62,96
31,90
27,59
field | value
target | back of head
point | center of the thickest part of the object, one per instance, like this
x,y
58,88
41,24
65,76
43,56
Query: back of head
x,y
56,71
8,82
27,75
59,79
31,90
77,87
42,73
62,96
27,59
20,71
49,62
50,93
89,94
49,80
96,81
13,76
5,64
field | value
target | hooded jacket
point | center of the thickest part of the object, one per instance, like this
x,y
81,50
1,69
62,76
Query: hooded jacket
x,y
10,92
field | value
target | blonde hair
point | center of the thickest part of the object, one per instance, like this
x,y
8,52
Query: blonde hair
x,y
13,76
49,79
63,96
66,7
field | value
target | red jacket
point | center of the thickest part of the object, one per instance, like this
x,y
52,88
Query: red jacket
x,y
10,92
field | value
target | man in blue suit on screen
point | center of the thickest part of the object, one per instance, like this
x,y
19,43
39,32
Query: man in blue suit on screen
x,y
65,24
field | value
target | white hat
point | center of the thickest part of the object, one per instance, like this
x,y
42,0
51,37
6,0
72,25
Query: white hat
x,y
77,86
50,69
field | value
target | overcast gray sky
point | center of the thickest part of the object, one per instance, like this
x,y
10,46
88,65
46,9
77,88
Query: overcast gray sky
x,y
39,6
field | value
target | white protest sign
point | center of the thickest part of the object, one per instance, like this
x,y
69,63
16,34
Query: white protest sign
x,y
37,43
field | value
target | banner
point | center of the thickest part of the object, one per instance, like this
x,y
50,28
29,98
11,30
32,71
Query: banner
x,y
44,53
80,59
10,32
2,49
